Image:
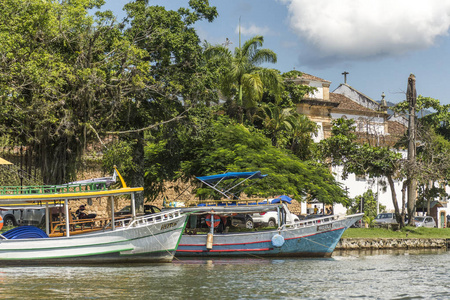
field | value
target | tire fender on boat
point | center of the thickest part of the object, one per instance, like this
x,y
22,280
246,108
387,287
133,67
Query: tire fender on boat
x,y
277,240
212,218
1,222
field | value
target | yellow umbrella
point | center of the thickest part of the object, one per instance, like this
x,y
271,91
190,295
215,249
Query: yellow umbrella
x,y
4,162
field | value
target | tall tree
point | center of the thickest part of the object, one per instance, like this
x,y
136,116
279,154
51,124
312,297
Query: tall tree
x,y
171,77
233,147
244,81
341,149
51,74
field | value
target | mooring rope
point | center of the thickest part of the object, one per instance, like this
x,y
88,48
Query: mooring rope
x,y
162,246
316,243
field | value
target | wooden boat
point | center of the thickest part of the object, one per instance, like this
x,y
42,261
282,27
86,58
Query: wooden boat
x,y
147,238
291,237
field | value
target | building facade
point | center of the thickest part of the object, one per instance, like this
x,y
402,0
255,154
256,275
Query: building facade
x,y
373,125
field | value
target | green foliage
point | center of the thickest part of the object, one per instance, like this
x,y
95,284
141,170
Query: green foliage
x,y
370,221
237,148
369,204
341,144
119,154
243,81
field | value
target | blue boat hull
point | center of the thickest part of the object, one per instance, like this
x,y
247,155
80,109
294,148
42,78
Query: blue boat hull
x,y
315,238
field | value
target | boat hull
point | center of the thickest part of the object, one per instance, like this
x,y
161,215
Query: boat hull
x,y
145,242
306,239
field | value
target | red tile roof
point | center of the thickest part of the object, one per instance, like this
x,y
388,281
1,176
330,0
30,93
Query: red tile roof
x,y
347,103
306,76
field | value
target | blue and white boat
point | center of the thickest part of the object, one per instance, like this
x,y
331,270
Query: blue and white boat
x,y
291,237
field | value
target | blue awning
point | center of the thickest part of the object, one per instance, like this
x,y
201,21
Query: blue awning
x,y
283,198
232,175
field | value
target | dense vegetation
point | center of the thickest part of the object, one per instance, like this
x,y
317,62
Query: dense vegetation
x,y
144,94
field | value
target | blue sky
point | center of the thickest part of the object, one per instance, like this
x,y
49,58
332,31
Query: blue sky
x,y
379,42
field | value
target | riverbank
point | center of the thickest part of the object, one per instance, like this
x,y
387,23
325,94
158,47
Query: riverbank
x,y
407,238
391,243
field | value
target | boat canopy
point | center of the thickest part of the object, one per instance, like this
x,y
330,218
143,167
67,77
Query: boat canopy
x,y
232,175
217,182
83,189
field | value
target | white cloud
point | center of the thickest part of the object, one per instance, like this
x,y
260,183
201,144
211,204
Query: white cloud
x,y
253,30
362,29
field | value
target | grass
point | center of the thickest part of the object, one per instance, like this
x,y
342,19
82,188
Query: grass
x,y
407,232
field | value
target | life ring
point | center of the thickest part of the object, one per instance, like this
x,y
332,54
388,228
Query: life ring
x,y
1,222
215,220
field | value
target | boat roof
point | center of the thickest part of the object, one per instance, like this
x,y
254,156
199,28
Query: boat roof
x,y
232,175
11,199
83,189
34,205
217,182
230,209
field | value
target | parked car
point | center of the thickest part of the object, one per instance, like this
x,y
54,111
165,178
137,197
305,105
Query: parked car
x,y
17,217
424,221
33,217
11,217
270,218
242,220
385,218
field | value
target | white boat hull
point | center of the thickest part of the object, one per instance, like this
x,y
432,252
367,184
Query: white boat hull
x,y
145,241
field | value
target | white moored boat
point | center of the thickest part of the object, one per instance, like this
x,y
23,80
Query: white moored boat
x,y
131,238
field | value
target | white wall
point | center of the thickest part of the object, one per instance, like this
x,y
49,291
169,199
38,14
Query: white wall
x,y
371,125
319,93
320,135
358,186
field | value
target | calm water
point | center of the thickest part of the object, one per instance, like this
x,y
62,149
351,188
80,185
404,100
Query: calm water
x,y
377,275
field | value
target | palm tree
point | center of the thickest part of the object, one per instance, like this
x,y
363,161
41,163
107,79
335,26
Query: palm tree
x,y
243,81
276,120
302,133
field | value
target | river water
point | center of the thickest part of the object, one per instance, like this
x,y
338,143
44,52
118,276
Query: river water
x,y
346,275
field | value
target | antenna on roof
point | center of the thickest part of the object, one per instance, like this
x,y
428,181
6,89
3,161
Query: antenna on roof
x,y
227,43
345,76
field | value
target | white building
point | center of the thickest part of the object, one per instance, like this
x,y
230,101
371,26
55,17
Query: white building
x,y
373,125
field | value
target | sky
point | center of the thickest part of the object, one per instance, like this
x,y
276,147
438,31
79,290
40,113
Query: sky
x,y
378,42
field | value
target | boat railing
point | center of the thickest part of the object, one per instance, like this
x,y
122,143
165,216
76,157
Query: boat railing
x,y
147,219
53,189
311,222
228,202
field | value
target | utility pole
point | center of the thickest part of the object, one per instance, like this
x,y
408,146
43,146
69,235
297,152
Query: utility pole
x,y
411,96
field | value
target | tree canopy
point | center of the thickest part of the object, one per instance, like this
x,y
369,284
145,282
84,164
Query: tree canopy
x,y
146,93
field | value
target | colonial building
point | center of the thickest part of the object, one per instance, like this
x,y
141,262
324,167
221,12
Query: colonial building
x,y
373,125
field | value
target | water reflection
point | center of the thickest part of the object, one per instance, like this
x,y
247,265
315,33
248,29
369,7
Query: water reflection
x,y
348,274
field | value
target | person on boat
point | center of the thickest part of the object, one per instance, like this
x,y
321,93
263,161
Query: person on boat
x,y
81,214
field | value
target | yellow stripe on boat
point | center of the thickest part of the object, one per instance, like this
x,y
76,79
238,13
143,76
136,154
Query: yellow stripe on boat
x,y
74,195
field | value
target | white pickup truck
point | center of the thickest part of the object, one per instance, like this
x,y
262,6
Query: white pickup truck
x,y
16,217
270,218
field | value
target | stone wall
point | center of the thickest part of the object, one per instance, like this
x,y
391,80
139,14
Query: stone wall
x,y
366,244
